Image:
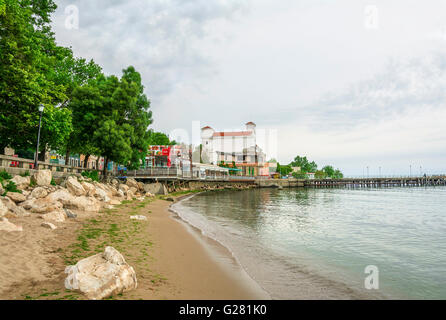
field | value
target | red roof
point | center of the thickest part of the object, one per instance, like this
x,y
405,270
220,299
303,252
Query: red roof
x,y
207,127
250,123
233,134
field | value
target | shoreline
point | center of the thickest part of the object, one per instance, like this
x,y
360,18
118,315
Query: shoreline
x,y
172,261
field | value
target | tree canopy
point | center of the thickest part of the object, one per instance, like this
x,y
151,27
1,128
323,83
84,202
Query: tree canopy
x,y
308,167
85,111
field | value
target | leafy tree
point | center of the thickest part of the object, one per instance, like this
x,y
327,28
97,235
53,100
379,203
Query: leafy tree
x,y
304,164
159,139
320,174
338,174
28,59
329,171
283,170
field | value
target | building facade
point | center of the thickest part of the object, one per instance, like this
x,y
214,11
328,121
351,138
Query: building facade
x,y
234,148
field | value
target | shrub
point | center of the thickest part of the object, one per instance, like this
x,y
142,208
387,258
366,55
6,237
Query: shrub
x,y
53,182
93,175
11,187
4,175
26,174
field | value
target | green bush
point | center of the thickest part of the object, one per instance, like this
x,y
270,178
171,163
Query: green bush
x,y
4,175
93,175
11,187
26,174
53,182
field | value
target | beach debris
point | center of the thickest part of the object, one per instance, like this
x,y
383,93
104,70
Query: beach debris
x,y
102,275
70,214
49,225
7,226
38,193
21,182
42,178
75,187
16,197
142,218
170,199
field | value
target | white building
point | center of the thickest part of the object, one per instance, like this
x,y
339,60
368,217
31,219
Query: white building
x,y
234,146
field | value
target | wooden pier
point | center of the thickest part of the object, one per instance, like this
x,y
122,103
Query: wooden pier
x,y
378,182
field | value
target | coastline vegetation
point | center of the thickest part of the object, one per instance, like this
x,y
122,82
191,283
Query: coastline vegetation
x,y
305,167
86,112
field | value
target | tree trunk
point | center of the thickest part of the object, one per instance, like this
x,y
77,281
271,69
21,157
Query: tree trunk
x,y
42,154
105,168
67,157
87,157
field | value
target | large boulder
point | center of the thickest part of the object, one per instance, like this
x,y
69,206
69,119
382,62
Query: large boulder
x,y
38,193
13,208
74,186
155,188
102,275
132,183
140,186
89,188
83,203
16,197
7,226
43,205
102,195
56,216
2,191
42,178
61,195
124,188
3,209
21,182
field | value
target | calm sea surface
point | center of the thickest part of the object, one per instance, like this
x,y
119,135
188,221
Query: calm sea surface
x,y
317,243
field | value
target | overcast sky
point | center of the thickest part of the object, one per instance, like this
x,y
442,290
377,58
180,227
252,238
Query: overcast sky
x,y
352,83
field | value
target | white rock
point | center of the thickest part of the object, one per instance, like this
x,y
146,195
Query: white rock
x,y
38,193
56,216
61,195
83,203
21,182
42,177
14,209
132,183
149,195
7,226
89,188
43,205
115,202
74,186
124,188
3,209
102,275
49,225
16,197
102,195
142,218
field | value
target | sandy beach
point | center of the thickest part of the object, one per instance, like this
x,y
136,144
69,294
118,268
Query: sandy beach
x,y
171,259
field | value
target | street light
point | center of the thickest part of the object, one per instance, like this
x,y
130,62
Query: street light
x,y
36,160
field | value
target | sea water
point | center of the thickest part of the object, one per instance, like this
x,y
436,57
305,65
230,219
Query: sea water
x,y
328,243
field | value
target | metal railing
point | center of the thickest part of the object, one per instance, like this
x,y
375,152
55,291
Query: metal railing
x,y
20,165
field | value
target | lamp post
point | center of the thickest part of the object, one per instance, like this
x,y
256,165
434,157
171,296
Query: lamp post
x,y
36,161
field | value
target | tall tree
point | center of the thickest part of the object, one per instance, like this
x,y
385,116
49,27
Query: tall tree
x,y
28,55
